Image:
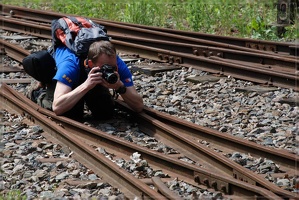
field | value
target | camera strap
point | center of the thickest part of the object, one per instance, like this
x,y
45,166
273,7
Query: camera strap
x,y
115,95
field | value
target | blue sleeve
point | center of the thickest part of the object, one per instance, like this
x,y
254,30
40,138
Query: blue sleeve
x,y
68,68
124,73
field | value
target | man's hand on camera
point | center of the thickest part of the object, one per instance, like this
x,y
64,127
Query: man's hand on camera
x,y
94,77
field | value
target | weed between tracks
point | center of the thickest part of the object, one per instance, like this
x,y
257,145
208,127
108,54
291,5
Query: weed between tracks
x,y
13,195
247,18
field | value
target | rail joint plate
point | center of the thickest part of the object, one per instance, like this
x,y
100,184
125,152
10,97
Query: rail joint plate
x,y
207,52
264,47
211,182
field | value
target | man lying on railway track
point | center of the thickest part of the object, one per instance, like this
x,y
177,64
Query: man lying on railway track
x,y
74,85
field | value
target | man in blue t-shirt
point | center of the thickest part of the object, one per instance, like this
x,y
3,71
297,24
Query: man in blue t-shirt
x,y
75,85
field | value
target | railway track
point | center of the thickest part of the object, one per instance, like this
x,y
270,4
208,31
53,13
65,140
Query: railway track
x,y
285,48
182,136
264,67
84,140
186,138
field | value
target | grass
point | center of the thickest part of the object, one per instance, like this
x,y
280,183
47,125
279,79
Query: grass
x,y
249,19
13,195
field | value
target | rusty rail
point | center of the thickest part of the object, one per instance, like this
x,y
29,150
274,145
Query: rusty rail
x,y
13,51
188,129
233,42
255,73
183,136
172,165
169,42
102,166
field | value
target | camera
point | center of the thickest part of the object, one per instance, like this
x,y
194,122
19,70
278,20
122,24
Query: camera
x,y
108,73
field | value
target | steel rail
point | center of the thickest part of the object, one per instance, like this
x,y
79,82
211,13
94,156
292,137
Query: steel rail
x,y
181,169
277,47
213,65
183,142
21,26
39,30
14,51
200,50
265,60
282,157
14,81
258,74
102,166
160,33
165,190
243,72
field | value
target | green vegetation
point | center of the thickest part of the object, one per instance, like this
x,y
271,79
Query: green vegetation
x,y
12,195
247,18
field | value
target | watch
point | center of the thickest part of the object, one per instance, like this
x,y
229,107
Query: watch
x,y
121,90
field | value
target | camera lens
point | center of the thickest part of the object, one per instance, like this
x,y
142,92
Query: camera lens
x,y
111,78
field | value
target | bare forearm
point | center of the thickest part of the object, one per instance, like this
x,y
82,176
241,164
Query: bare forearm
x,y
67,101
134,100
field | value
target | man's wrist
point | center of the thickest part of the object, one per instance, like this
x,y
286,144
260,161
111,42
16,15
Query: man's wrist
x,y
121,90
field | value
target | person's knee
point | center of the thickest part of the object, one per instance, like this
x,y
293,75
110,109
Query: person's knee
x,y
42,100
46,103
